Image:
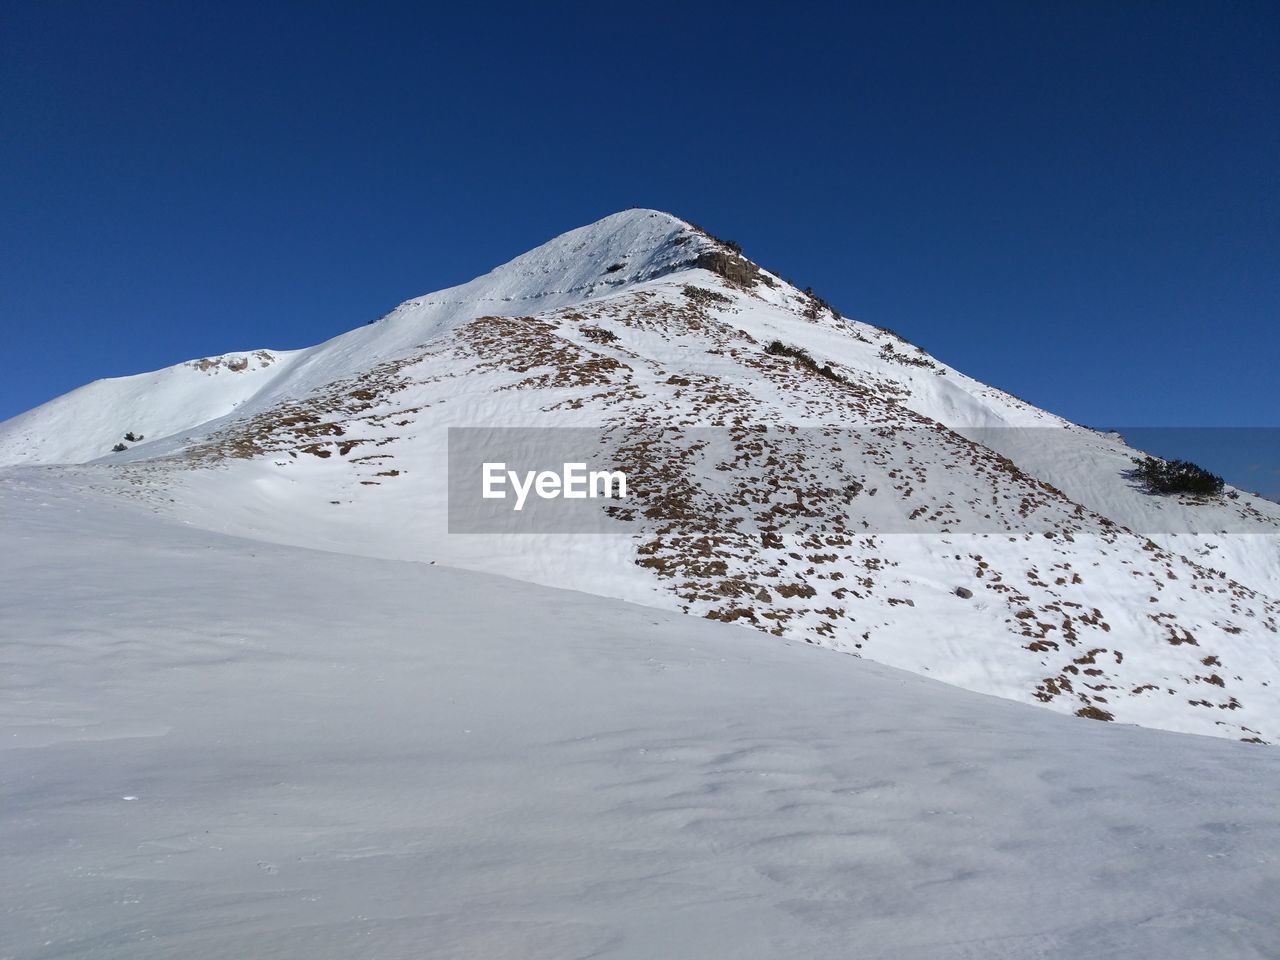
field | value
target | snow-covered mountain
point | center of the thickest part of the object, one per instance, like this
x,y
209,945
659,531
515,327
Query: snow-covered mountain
x,y
792,469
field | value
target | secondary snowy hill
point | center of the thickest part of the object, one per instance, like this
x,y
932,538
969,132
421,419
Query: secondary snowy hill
x,y
792,469
214,747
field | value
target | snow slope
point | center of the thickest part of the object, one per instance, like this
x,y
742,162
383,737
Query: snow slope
x,y
872,496
85,424
88,422
216,747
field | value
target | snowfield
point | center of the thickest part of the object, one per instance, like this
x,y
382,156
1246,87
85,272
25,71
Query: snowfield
x,y
824,685
214,747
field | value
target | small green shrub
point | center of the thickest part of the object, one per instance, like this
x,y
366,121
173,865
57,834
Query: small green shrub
x,y
779,349
888,353
704,297
599,334
1177,476
816,305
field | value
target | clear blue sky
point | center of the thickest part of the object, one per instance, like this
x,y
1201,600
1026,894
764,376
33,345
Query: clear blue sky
x,y
1078,204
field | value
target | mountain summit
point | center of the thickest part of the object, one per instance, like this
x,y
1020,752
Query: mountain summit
x,y
792,469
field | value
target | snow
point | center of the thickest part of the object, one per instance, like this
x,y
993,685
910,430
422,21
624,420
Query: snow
x,y
1090,617
216,746
86,423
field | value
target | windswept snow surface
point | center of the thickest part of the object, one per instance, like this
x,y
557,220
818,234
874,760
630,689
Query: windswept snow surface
x,y
213,747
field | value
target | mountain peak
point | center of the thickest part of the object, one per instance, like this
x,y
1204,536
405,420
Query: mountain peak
x,y
625,247
629,247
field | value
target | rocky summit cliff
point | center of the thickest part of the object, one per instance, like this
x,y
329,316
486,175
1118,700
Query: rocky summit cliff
x,y
792,469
